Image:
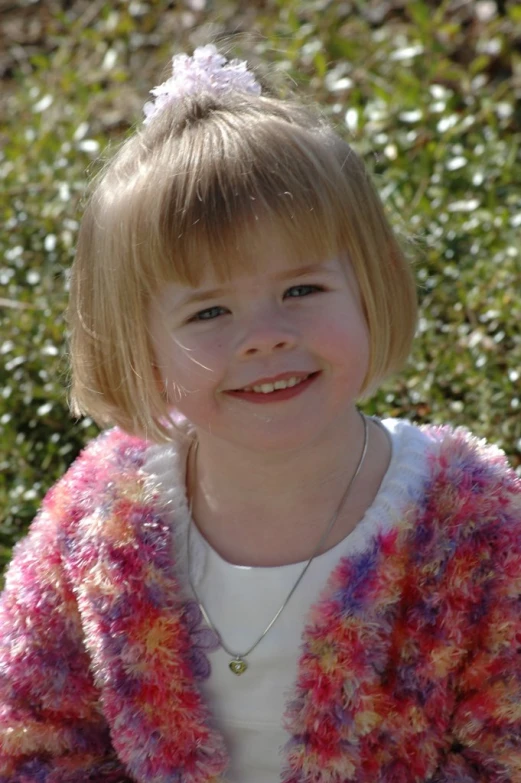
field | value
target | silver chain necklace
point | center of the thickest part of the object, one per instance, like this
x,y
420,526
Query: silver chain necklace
x,y
238,663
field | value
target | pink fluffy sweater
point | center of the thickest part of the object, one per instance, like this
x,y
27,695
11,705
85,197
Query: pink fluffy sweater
x,y
410,667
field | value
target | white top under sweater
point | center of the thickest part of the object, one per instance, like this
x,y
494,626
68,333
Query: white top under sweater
x,y
241,601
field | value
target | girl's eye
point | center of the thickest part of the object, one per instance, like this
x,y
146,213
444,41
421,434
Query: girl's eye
x,y
303,290
207,315
295,292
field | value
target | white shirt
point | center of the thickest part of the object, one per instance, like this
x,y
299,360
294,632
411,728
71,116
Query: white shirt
x,y
241,601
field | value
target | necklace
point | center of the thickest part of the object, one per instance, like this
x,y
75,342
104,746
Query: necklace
x,y
238,664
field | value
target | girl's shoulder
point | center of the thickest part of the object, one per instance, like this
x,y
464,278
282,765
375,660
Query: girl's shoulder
x,y
472,495
463,458
104,467
461,478
461,522
109,453
452,452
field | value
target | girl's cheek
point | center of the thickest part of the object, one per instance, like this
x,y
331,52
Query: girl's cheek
x,y
212,346
199,360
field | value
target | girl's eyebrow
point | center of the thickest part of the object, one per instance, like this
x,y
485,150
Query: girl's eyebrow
x,y
289,274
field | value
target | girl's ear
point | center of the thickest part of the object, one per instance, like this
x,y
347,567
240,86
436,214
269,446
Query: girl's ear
x,y
160,383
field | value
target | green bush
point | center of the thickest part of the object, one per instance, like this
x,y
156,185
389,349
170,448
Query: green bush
x,y
427,92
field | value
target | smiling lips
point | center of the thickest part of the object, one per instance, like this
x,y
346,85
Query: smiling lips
x,y
281,387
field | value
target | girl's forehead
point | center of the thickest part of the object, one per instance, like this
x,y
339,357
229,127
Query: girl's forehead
x,y
275,264
261,250
273,268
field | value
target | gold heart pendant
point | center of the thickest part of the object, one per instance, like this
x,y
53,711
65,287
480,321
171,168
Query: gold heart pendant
x,y
238,666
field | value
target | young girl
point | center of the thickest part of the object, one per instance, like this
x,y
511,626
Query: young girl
x,y
246,579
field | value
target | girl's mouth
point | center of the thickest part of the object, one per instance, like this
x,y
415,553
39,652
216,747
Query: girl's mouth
x,y
277,391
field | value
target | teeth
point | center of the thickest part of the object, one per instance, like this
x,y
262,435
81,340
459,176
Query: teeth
x,y
267,388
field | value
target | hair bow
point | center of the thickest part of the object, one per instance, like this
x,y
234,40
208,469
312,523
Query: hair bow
x,y
205,70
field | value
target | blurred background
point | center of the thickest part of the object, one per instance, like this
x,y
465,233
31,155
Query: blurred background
x,y
429,93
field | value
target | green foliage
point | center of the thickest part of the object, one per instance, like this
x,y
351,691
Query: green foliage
x,y
427,92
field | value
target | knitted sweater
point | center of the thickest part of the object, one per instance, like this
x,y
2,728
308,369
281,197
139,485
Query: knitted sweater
x,y
411,659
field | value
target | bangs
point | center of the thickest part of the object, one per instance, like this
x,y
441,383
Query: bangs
x,y
211,206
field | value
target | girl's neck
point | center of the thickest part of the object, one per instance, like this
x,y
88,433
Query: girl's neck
x,y
259,509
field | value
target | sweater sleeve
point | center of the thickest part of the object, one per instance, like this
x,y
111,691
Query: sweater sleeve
x,y
51,726
486,723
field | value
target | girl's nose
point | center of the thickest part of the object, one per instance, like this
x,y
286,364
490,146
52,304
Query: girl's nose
x,y
266,334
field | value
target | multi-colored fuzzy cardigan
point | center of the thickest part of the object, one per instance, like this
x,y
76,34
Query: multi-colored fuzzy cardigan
x,y
411,660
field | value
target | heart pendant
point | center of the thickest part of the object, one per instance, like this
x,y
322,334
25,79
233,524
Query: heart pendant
x,y
238,666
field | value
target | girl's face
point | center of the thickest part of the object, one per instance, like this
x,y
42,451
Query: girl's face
x,y
216,346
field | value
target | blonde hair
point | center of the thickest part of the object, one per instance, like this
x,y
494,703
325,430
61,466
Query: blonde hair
x,y
189,190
